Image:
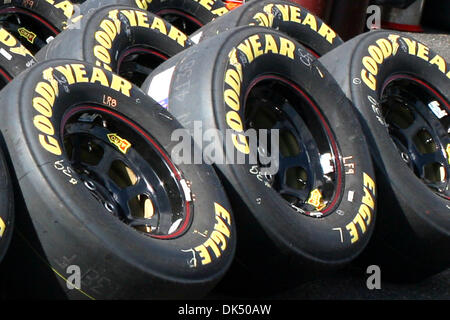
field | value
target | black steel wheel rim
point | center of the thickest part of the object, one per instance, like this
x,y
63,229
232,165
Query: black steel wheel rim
x,y
126,170
137,62
418,121
310,176
181,20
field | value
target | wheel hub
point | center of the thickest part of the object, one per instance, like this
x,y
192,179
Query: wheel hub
x,y
418,123
129,177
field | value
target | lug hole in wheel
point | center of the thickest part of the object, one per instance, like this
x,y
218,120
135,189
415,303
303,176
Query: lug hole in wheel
x,y
307,153
296,178
127,172
424,142
109,207
121,174
405,157
90,185
418,120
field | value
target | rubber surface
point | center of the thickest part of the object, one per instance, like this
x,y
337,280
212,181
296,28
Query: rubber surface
x,y
412,234
65,225
14,57
286,17
104,35
272,235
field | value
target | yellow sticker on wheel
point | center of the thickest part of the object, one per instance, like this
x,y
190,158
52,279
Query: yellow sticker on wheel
x,y
27,34
2,227
121,144
315,199
448,153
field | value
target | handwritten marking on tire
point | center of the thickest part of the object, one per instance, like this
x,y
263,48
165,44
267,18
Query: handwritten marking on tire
x,y
340,233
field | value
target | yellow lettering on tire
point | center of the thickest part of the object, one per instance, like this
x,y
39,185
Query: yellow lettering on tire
x,y
2,227
6,38
47,91
217,242
50,144
240,143
231,98
66,7
43,124
42,106
363,218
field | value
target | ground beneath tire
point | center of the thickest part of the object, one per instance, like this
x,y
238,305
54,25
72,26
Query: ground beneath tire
x,y
350,284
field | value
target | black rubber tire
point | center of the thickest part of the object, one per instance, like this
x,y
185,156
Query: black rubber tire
x,y
198,13
14,57
53,14
272,239
412,234
287,17
70,227
98,41
6,207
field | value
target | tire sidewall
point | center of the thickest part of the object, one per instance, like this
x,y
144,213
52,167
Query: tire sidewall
x,y
143,33
58,213
304,235
17,58
56,14
204,13
413,196
289,18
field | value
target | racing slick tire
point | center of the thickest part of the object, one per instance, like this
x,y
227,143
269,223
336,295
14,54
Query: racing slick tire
x,y
101,195
186,15
35,23
128,41
14,57
287,17
401,89
304,214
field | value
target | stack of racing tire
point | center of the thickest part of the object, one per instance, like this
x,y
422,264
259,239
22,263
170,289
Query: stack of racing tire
x,y
166,149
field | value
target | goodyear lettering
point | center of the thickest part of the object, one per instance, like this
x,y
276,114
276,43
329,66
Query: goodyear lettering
x,y
252,47
110,27
447,149
364,216
143,4
6,38
46,92
216,244
14,46
2,227
291,13
233,79
66,7
386,47
209,5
